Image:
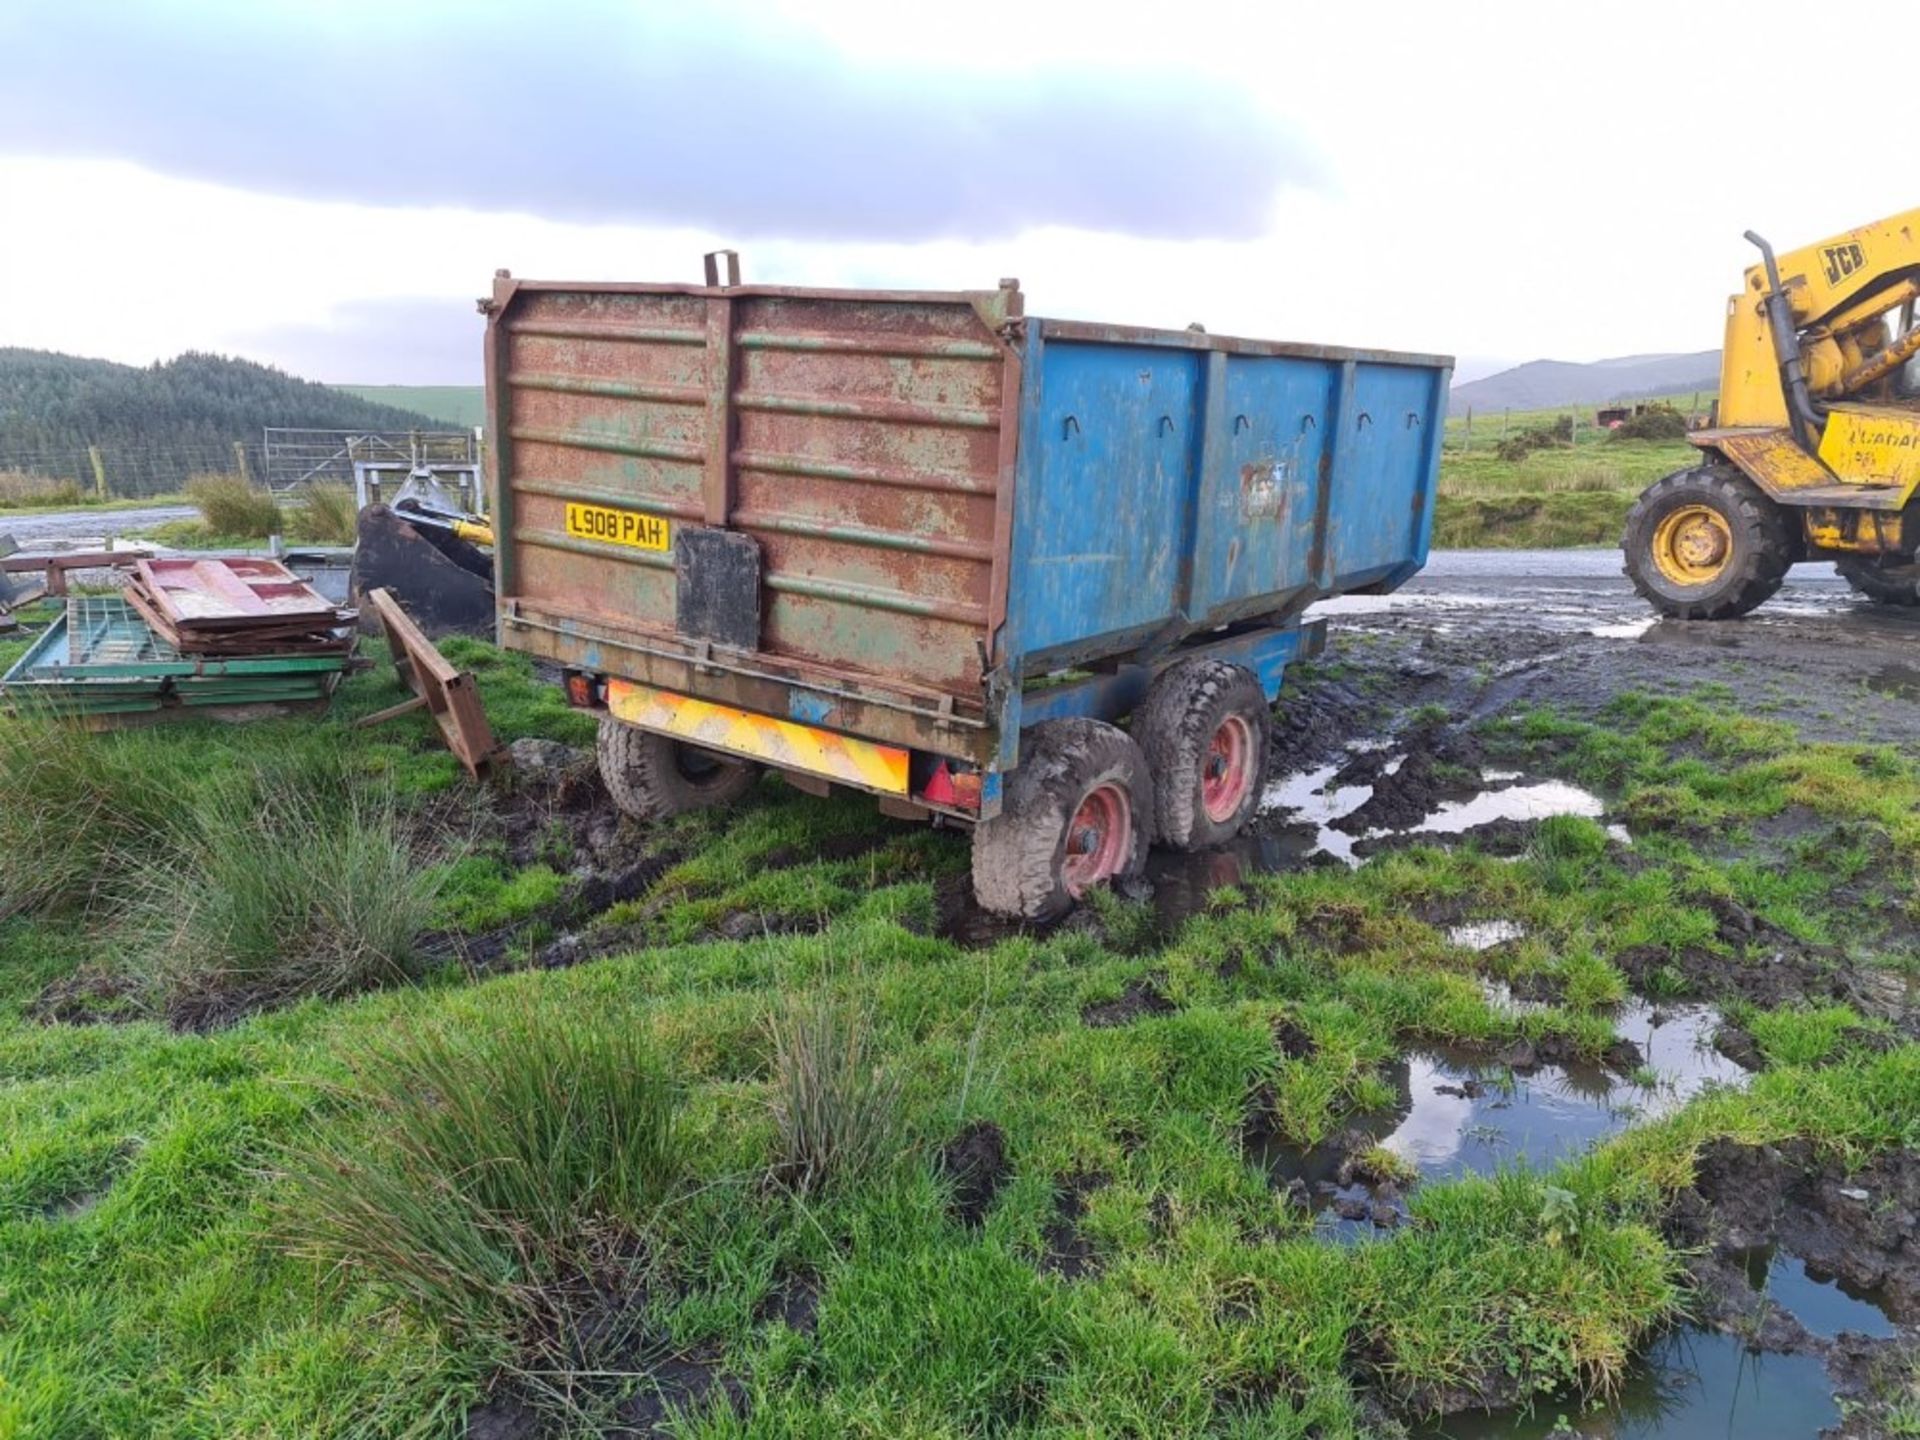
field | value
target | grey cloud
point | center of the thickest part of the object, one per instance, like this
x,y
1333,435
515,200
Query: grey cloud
x,y
407,341
596,110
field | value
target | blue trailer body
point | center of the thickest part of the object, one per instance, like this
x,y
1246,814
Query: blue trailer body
x,y
1172,482
1185,493
925,520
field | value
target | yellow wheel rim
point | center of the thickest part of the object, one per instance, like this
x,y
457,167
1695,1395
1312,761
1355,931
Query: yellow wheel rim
x,y
1692,545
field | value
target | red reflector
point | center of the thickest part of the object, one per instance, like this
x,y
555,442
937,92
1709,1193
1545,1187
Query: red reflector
x,y
960,789
939,789
580,690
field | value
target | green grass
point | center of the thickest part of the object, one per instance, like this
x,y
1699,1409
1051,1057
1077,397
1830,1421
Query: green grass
x,y
36,497
233,505
236,515
1564,495
347,1215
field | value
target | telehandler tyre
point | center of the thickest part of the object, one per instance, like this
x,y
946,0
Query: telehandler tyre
x,y
1889,584
1078,814
1706,544
1203,727
653,776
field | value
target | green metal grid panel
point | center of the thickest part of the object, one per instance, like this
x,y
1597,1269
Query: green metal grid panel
x,y
101,658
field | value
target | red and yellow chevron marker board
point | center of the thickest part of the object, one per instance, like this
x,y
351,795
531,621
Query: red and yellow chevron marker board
x,y
781,743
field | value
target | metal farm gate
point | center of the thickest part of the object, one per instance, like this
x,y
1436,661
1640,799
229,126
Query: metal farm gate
x,y
305,457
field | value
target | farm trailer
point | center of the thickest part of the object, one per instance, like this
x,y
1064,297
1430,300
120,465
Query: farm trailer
x,y
925,545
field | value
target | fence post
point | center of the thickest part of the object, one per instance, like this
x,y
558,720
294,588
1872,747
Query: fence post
x,y
240,461
1468,447
1503,424
99,471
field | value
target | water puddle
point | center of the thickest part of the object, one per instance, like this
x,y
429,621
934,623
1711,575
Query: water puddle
x,y
1182,882
1340,605
1677,1043
1825,1304
1310,801
1500,996
1625,630
1690,1385
1515,802
1484,934
1460,1112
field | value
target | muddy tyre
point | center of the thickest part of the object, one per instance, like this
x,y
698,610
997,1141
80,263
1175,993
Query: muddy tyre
x,y
651,776
1203,728
1888,584
1705,544
1077,814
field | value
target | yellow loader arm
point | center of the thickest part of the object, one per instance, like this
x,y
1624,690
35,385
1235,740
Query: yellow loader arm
x,y
1811,405
1816,448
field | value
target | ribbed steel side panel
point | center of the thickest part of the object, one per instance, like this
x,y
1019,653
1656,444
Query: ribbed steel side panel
x,y
858,441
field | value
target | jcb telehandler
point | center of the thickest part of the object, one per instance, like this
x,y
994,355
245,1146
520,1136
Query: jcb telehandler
x,y
1815,450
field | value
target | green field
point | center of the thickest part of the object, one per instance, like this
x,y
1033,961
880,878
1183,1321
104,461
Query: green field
x,y
458,405
1567,494
275,1161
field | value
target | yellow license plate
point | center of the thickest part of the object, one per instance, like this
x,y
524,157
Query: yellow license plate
x,y
618,527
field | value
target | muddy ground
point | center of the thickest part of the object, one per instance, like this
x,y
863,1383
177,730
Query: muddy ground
x,y
1484,631
1481,634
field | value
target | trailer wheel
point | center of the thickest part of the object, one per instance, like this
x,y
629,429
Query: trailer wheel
x,y
1076,815
1203,728
1889,584
653,776
1705,544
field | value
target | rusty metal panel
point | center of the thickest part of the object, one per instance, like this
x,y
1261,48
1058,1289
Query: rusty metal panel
x,y
858,439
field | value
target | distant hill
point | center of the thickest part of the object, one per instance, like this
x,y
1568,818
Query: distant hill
x,y
1547,384
462,405
157,424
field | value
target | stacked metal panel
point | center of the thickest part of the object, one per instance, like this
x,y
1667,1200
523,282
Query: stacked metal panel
x,y
103,662
236,607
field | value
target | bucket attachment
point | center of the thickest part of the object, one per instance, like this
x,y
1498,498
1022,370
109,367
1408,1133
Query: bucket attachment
x,y
445,582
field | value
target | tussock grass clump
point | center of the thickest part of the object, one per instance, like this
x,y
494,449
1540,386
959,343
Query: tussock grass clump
x,y
230,505
23,491
1656,422
1538,437
327,515
278,892
836,1108
484,1164
80,807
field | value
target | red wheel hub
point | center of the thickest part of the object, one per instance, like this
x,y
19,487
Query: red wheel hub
x,y
1099,839
1227,773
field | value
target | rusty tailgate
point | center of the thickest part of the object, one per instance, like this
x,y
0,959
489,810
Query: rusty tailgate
x,y
864,440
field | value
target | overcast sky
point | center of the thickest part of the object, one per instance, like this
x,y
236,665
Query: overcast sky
x,y
327,184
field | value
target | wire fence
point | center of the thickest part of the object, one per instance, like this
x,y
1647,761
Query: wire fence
x,y
123,472
279,461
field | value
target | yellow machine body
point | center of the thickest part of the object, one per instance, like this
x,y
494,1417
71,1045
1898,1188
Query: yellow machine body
x,y
1852,463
